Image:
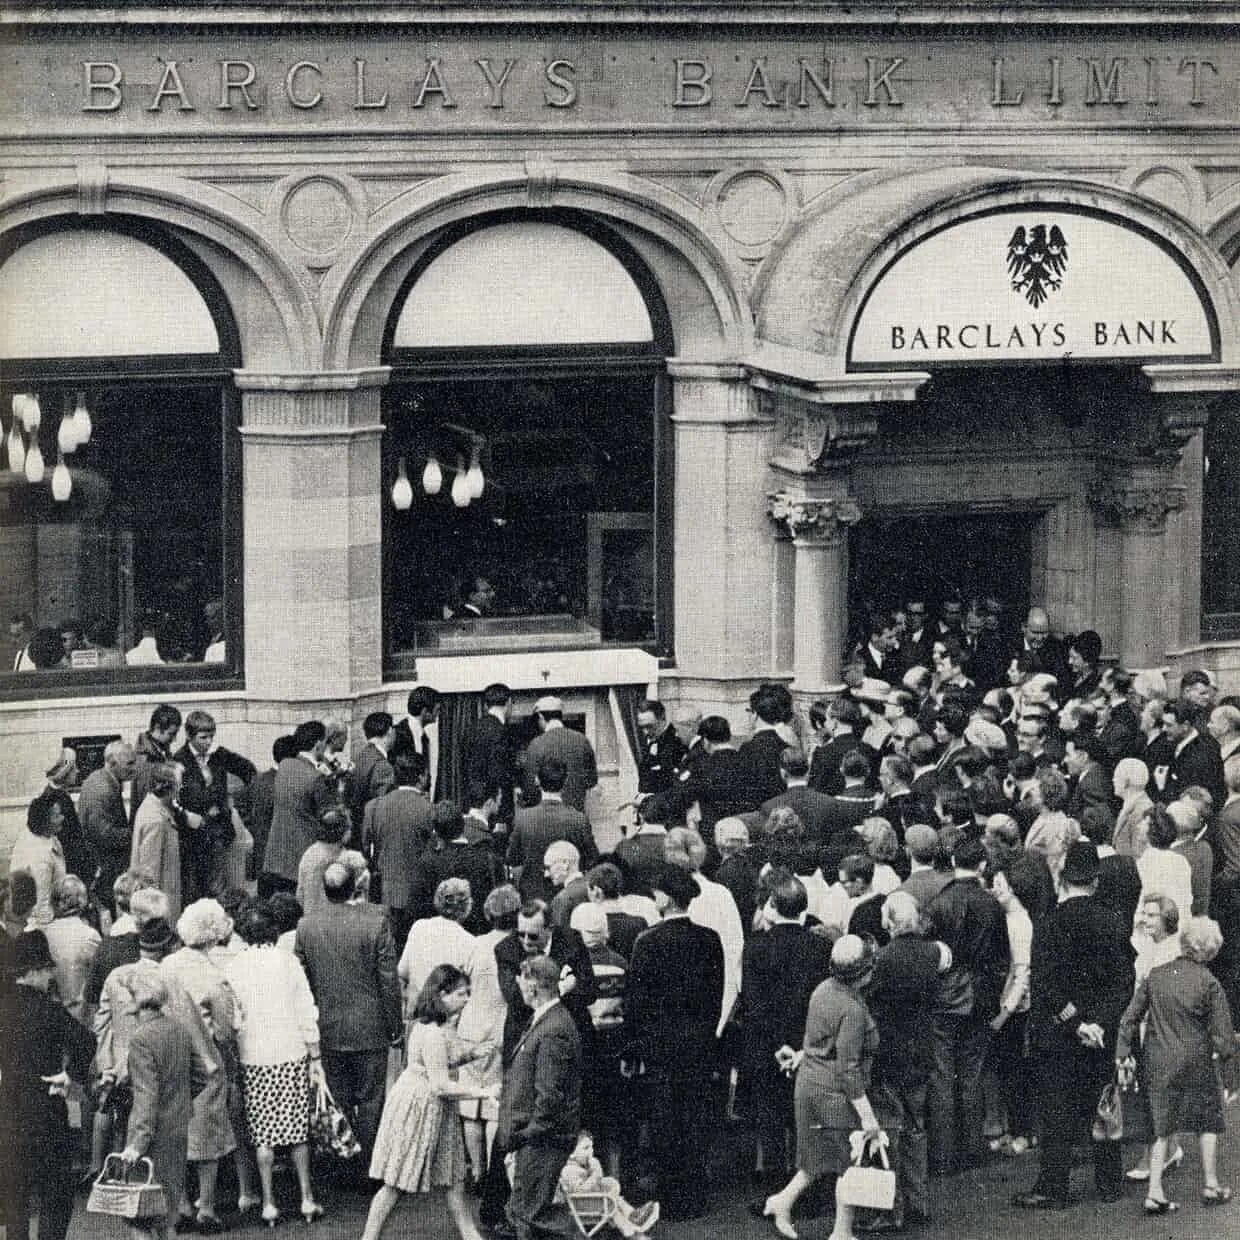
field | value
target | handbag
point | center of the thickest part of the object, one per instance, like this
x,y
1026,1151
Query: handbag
x,y
330,1129
1109,1117
870,1188
126,1198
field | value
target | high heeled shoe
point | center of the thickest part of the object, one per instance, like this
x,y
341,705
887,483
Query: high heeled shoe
x,y
780,1219
311,1211
271,1215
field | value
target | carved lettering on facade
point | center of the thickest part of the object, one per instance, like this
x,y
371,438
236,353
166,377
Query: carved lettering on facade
x,y
757,81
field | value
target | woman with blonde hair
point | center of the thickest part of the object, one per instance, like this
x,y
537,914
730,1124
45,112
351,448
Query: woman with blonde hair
x,y
883,845
441,939
1188,1028
218,1114
164,1075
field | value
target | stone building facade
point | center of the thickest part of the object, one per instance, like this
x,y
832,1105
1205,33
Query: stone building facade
x,y
822,208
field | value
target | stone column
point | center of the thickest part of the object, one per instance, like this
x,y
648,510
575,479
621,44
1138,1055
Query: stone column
x,y
1140,502
819,529
723,560
312,513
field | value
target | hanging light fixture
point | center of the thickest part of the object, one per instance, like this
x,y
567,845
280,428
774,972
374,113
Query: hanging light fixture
x,y
432,476
34,462
17,447
474,476
82,426
402,492
31,413
62,482
461,493
66,432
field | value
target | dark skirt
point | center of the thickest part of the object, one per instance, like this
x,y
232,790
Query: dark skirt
x,y
824,1121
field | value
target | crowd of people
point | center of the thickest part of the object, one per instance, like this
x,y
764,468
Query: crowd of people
x,y
933,921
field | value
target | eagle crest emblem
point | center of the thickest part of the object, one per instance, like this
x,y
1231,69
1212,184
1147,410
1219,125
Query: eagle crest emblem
x,y
1037,260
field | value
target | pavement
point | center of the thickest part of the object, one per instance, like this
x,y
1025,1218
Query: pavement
x,y
972,1205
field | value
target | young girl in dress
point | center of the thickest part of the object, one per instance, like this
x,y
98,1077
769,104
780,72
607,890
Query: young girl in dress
x,y
420,1148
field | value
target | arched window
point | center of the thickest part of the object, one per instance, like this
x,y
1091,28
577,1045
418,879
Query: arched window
x,y
122,555
526,455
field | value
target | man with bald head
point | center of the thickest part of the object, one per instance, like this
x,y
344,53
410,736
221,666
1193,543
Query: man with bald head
x,y
101,809
349,956
1044,650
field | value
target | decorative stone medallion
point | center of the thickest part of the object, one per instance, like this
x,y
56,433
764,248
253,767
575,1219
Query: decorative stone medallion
x,y
752,208
318,215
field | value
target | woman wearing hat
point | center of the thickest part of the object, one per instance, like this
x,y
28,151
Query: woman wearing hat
x,y
833,1074
80,856
41,1047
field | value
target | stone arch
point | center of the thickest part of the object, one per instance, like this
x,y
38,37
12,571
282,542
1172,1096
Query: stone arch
x,y
814,289
261,289
706,306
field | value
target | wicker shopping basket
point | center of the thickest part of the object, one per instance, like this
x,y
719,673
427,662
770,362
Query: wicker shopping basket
x,y
126,1198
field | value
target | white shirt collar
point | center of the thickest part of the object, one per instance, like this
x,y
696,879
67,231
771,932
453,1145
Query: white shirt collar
x,y
377,742
1192,736
541,1010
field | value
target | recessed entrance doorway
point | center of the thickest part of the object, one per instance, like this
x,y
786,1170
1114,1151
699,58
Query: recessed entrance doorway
x,y
965,554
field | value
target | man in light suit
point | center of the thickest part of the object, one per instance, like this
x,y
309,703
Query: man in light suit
x,y
347,951
540,1104
567,745
372,774
539,825
396,828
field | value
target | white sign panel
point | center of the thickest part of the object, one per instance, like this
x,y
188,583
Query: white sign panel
x,y
1033,284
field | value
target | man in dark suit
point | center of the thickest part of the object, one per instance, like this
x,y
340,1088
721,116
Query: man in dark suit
x,y
1045,652
396,828
538,825
1119,730
810,805
418,732
488,757
844,721
347,951
662,750
566,745
878,653
719,787
672,999
301,793
855,801
1195,757
780,969
1081,980
372,774
1088,782
901,806
540,1103
985,659
759,755
918,639
536,936
458,858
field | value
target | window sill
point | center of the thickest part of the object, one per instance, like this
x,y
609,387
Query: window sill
x,y
56,688
526,669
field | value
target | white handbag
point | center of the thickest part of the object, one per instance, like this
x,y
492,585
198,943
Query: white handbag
x,y
869,1188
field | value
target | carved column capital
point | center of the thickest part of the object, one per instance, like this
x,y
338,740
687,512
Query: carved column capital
x,y
1140,507
812,520
813,436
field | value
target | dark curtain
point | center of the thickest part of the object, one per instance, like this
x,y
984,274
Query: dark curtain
x,y
458,716
631,698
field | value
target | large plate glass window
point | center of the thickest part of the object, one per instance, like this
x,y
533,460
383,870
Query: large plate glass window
x,y
122,564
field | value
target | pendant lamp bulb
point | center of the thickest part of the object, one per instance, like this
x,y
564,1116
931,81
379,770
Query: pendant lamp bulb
x,y
62,483
34,463
17,450
66,433
461,494
32,416
432,477
477,482
82,427
402,492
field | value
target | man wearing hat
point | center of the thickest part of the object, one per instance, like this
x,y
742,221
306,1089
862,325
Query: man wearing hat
x,y
566,744
41,1048
1081,980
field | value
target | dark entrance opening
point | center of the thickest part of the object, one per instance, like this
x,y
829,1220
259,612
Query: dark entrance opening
x,y
970,555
